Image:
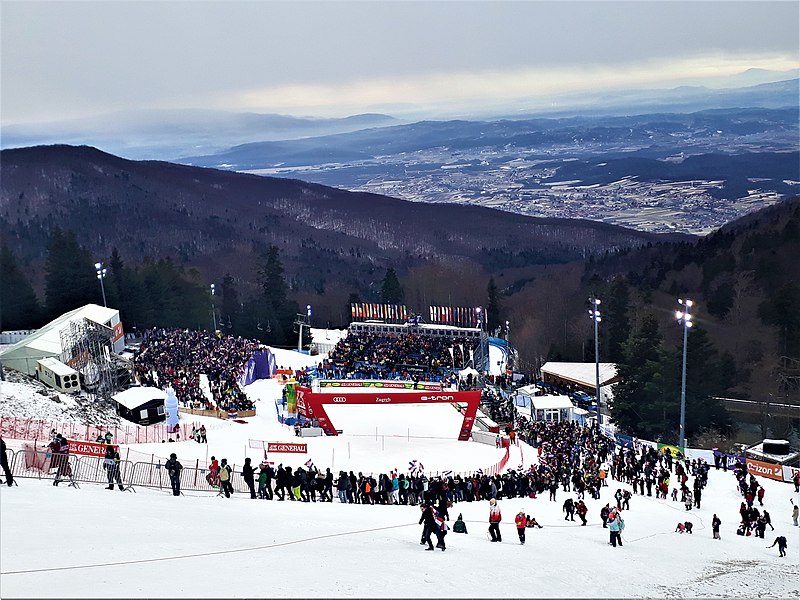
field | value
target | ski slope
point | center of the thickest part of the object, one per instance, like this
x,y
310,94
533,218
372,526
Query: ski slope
x,y
61,542
151,544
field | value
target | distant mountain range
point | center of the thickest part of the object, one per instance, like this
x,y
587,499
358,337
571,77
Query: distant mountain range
x,y
160,134
223,221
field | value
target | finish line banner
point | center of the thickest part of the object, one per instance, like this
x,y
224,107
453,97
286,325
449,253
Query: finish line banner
x,y
312,405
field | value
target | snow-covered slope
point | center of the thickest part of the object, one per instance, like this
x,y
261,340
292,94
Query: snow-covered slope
x,y
151,544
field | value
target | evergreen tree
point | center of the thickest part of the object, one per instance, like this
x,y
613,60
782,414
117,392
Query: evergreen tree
x,y
275,303
70,278
782,310
492,307
391,290
19,308
644,400
231,307
706,375
615,317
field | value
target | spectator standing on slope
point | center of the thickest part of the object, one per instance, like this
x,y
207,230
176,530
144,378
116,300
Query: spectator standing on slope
x,y
521,520
4,463
248,474
715,523
174,470
494,520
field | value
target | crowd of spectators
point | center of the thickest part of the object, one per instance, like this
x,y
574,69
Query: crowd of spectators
x,y
409,357
178,357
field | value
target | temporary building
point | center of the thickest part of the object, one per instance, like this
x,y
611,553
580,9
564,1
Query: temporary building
x,y
143,405
46,341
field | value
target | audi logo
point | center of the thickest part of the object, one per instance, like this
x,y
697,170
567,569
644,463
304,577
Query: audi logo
x,y
339,399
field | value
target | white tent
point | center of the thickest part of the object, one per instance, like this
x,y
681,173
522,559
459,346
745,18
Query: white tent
x,y
46,341
463,373
582,374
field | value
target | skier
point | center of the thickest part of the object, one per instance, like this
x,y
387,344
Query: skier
x,y
521,520
781,541
715,523
494,521
174,470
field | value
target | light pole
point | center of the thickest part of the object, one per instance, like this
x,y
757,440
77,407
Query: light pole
x,y
101,274
684,317
213,310
594,313
301,323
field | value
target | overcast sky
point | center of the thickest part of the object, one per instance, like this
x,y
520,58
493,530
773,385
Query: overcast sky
x,y
69,59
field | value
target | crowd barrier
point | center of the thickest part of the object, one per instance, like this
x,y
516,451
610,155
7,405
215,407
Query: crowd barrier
x,y
219,414
16,428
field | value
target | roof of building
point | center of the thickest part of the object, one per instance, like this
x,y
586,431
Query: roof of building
x,y
550,402
581,373
134,397
46,341
57,367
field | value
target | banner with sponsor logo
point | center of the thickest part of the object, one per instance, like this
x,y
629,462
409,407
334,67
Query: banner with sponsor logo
x,y
400,385
291,399
288,447
764,469
88,448
788,473
676,451
313,404
260,366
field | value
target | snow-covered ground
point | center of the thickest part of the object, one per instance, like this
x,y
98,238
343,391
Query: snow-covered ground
x,y
67,543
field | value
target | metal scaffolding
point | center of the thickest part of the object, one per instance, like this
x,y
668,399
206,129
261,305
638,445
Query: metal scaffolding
x,y
86,347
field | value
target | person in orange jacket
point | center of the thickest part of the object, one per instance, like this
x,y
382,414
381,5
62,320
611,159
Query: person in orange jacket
x,y
521,520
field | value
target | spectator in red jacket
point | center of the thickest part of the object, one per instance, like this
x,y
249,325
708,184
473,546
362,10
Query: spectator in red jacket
x,y
521,520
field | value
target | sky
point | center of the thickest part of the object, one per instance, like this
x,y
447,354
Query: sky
x,y
65,59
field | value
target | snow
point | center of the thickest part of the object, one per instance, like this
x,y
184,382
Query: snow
x,y
69,543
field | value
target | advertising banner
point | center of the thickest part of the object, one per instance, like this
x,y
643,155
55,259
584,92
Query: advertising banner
x,y
260,366
291,399
676,451
288,447
88,448
395,385
730,460
788,473
768,470
313,404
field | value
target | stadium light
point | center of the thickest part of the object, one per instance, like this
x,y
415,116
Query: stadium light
x,y
101,274
594,314
684,317
213,310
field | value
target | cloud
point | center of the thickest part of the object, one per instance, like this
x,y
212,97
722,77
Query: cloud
x,y
476,88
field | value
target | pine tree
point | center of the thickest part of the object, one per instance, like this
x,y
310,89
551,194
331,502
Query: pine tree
x,y
275,303
19,307
391,290
70,278
492,306
617,323
230,306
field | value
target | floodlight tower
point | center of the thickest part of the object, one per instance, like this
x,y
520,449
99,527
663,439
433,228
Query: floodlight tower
x,y
594,314
683,317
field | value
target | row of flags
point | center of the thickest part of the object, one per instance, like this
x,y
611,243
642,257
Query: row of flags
x,y
458,316
386,312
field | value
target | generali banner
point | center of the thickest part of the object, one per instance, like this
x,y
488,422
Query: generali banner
x,y
289,447
88,448
768,470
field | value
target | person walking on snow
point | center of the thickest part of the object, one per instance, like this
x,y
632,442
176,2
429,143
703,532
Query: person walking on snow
x,y
604,515
781,541
795,512
581,509
616,524
569,508
174,469
715,523
521,520
494,521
